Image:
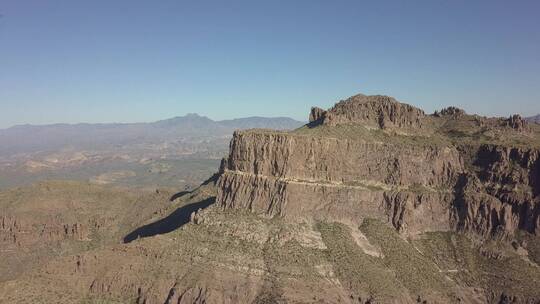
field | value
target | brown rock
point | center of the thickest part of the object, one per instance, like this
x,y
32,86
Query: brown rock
x,y
517,123
316,115
374,111
415,187
450,111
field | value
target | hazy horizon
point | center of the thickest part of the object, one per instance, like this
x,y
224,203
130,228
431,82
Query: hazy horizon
x,y
133,61
154,121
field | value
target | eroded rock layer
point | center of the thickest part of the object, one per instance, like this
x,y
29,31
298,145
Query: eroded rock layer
x,y
353,162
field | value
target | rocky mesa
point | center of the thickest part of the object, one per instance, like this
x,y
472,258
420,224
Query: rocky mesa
x,y
372,156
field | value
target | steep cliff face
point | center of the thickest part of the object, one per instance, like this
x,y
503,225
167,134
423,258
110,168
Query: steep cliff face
x,y
423,182
501,195
296,175
344,161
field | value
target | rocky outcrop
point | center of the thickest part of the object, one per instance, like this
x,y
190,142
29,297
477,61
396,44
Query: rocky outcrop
x,y
497,126
10,228
517,123
503,195
18,232
348,162
316,115
450,111
195,295
289,175
491,190
375,111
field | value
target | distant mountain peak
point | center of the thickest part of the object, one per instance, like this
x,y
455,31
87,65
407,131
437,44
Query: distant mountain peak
x,y
28,138
189,118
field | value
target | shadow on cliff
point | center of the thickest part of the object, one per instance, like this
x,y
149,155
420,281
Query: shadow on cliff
x,y
179,195
314,124
212,180
175,220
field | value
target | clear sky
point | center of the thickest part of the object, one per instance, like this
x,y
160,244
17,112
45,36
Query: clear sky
x,y
125,61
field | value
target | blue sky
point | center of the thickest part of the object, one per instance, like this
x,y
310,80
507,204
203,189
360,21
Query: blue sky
x,y
125,61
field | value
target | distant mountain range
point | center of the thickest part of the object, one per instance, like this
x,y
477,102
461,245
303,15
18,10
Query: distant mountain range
x,y
32,138
534,119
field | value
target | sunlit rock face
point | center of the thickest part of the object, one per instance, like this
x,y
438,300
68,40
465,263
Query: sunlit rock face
x,y
372,156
